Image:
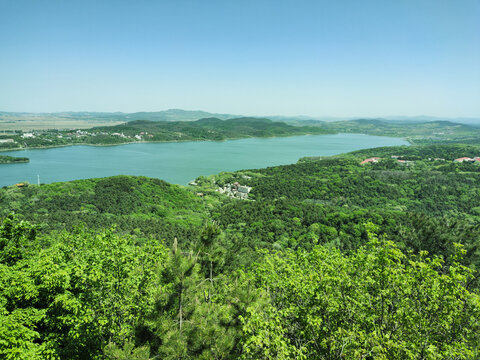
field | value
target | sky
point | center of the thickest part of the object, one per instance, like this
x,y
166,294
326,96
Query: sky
x,y
339,58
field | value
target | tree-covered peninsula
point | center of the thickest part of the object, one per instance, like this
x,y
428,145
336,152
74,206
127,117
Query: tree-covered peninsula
x,y
432,132
157,131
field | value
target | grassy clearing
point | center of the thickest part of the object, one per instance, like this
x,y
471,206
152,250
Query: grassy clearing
x,y
40,123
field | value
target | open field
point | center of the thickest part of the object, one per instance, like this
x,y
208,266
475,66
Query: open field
x,y
44,123
83,120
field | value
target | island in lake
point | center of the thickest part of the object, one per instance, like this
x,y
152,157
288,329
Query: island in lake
x,y
13,160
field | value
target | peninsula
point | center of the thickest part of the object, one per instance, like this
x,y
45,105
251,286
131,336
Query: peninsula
x,y
216,129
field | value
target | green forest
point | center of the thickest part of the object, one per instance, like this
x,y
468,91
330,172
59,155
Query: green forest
x,y
327,258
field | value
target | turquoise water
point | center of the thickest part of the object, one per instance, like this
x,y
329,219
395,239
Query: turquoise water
x,y
179,162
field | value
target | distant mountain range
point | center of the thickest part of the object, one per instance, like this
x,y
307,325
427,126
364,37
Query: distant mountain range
x,y
420,118
166,115
192,115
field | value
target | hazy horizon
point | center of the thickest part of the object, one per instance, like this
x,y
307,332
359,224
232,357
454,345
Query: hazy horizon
x,y
343,59
306,116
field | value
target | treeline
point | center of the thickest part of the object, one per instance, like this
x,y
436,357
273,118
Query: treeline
x,y
432,152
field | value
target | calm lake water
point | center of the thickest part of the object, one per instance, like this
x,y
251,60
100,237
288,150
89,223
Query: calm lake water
x,y
179,162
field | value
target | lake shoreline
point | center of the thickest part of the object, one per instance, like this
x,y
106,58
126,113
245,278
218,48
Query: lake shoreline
x,y
192,140
180,162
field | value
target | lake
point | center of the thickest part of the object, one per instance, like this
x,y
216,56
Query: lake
x,y
178,162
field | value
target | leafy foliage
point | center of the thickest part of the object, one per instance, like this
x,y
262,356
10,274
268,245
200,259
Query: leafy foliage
x,y
374,303
69,299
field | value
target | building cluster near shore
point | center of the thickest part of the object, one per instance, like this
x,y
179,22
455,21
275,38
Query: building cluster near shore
x,y
408,162
235,190
376,159
370,160
467,159
19,139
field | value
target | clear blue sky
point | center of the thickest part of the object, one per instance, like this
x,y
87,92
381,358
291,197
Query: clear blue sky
x,y
335,57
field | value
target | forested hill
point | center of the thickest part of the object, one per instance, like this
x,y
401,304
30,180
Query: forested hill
x,y
211,129
371,254
137,205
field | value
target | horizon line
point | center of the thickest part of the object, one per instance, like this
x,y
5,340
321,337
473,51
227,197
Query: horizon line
x,y
312,117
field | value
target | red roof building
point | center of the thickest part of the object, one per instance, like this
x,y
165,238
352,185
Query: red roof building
x,y
369,160
462,159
